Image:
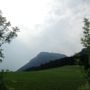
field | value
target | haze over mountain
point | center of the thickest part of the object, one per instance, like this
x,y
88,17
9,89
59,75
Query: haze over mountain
x,y
42,58
45,25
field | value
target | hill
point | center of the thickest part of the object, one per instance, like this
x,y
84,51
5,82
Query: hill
x,y
72,60
42,58
52,64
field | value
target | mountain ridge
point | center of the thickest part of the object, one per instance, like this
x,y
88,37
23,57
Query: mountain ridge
x,y
42,58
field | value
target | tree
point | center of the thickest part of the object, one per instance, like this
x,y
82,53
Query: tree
x,y
85,40
86,37
7,33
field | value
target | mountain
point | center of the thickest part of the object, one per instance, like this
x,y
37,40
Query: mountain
x,y
56,63
42,58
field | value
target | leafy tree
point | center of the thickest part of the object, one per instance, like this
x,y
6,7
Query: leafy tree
x,y
7,33
85,40
86,37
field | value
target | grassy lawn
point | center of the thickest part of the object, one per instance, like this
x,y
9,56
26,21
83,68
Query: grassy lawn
x,y
63,78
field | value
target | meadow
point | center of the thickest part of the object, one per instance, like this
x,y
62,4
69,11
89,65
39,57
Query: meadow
x,y
62,78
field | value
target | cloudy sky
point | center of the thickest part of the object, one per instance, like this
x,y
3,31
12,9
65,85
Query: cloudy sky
x,y
45,25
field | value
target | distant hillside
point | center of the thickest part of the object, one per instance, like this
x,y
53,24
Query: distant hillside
x,y
42,58
53,64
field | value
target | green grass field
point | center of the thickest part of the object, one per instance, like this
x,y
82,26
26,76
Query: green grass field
x,y
63,78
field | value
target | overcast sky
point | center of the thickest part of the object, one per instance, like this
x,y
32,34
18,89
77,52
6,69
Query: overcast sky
x,y
45,25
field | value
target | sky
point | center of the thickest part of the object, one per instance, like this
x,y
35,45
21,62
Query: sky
x,y
45,26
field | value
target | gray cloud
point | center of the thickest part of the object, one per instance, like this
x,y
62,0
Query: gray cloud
x,y
60,33
63,29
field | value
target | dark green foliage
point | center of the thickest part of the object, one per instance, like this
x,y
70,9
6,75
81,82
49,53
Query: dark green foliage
x,y
85,40
2,82
86,37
